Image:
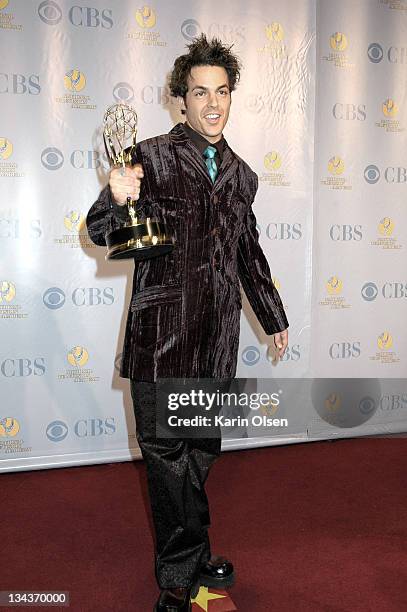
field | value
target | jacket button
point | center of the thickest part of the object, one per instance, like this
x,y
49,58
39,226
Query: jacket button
x,y
216,263
215,199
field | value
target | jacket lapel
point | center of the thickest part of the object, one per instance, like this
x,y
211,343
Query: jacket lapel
x,y
189,153
227,168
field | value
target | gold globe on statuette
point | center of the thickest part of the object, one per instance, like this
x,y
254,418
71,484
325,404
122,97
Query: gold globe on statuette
x,y
136,239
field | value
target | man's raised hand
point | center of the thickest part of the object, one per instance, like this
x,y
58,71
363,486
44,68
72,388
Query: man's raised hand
x,y
126,183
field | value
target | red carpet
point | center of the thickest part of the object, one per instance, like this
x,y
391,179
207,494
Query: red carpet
x,y
310,527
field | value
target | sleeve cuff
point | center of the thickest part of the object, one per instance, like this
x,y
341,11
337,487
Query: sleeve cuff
x,y
120,212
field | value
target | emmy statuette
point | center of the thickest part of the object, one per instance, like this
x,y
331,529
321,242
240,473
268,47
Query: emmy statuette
x,y
137,239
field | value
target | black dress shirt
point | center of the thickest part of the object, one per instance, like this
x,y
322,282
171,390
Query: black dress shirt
x,y
201,143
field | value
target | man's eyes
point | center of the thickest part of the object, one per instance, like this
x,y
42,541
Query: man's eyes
x,y
222,92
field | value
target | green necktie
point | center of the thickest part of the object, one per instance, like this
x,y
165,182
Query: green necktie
x,y
209,155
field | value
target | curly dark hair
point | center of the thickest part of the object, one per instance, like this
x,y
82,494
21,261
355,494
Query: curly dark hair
x,y
202,52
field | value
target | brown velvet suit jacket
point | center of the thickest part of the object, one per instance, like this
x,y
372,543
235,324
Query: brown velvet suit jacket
x,y
184,315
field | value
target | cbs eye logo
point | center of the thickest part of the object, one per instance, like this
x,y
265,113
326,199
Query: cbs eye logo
x,y
369,292
190,29
123,92
375,53
57,431
371,174
49,12
250,355
52,158
54,298
367,405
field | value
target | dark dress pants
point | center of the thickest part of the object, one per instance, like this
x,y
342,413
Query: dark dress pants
x,y
176,472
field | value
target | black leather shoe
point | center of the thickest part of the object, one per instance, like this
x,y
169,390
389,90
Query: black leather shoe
x,y
217,573
176,599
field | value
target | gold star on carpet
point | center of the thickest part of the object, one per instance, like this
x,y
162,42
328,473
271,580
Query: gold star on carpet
x,y
204,596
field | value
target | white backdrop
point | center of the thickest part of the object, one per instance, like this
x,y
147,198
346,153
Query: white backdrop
x,y
320,115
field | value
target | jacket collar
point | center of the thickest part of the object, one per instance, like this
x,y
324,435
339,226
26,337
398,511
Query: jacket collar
x,y
191,155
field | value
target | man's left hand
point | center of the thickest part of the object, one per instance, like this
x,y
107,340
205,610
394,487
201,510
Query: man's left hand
x,y
281,341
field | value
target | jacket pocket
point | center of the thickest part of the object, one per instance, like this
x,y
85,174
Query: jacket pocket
x,y
169,206
155,295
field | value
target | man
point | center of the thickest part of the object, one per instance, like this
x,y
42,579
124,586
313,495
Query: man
x,y
184,316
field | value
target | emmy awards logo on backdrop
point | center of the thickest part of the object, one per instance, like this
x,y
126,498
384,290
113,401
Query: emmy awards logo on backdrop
x,y
137,239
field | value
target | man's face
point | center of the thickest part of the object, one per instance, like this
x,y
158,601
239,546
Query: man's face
x,y
207,101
